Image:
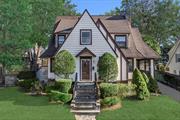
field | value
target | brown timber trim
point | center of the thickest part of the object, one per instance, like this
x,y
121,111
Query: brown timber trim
x,y
121,66
89,30
99,21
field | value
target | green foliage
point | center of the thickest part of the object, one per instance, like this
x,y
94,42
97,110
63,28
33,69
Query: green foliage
x,y
24,23
108,90
59,96
109,101
107,67
145,77
141,86
26,84
63,85
125,90
27,75
152,85
64,64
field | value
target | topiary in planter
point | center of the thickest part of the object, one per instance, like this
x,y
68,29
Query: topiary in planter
x,y
64,64
108,90
107,67
141,86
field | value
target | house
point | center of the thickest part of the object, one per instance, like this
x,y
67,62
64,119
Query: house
x,y
174,59
88,37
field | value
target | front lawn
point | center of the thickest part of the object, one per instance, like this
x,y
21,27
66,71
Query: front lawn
x,y
16,105
158,108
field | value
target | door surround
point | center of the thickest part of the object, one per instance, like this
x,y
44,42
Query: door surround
x,y
90,68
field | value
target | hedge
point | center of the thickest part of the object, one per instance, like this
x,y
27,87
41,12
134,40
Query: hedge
x,y
108,90
26,84
59,96
109,101
63,85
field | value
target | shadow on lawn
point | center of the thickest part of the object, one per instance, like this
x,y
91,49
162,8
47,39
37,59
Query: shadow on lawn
x,y
20,98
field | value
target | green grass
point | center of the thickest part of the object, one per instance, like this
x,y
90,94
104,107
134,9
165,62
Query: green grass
x,y
157,108
15,105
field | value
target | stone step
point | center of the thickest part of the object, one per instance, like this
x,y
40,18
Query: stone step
x,y
86,111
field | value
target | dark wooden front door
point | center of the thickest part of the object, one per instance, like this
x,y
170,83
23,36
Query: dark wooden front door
x,y
86,69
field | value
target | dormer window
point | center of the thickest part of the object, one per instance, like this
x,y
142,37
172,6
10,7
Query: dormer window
x,y
85,37
61,39
121,40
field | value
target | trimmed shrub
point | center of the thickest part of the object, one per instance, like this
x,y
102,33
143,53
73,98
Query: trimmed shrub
x,y
125,90
64,64
109,101
152,85
26,75
59,96
145,77
108,90
26,84
107,67
141,86
63,85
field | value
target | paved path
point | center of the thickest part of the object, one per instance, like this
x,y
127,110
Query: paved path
x,y
166,90
85,117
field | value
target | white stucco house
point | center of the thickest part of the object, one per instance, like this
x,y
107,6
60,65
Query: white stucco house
x,y
174,59
88,37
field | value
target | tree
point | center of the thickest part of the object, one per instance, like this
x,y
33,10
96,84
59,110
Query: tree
x,y
23,23
107,67
14,31
141,86
43,17
157,20
64,64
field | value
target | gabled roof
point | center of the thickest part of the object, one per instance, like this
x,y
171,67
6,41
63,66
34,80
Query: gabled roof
x,y
173,51
137,48
85,52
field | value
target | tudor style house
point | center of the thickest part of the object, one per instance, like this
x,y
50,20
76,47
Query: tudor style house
x,y
88,37
174,59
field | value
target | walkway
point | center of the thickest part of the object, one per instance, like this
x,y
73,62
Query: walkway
x,y
166,90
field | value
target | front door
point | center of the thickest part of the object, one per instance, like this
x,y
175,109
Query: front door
x,y
85,69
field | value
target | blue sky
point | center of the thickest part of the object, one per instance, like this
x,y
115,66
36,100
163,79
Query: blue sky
x,y
96,7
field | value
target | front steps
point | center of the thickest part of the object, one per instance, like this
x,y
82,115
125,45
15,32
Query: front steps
x,y
85,98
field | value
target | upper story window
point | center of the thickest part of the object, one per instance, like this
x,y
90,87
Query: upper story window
x,y
85,37
61,39
177,57
121,40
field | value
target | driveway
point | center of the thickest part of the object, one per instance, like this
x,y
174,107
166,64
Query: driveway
x,y
166,90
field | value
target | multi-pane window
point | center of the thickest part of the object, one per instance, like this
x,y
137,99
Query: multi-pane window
x,y
85,37
61,39
130,65
177,57
121,40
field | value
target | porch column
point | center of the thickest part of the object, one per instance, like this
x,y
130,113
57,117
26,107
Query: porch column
x,y
152,67
135,63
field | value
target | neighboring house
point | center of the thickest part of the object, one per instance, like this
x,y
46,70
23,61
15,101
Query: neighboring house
x,y
174,59
88,37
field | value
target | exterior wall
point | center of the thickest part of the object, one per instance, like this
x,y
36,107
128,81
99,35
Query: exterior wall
x,y
72,44
173,65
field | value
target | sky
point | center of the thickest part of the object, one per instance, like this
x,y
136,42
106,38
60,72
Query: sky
x,y
96,7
